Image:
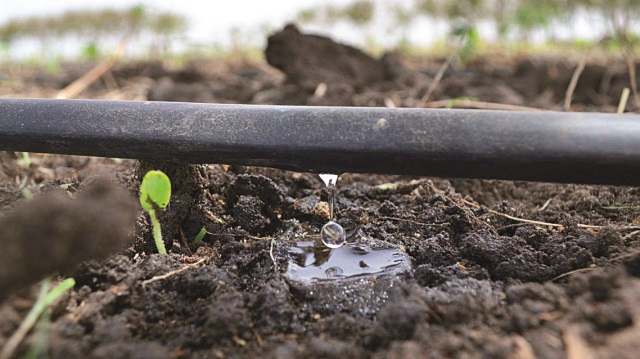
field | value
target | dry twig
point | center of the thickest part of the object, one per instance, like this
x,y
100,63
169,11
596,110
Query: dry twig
x,y
184,241
544,206
415,222
626,255
573,83
579,270
530,221
480,105
440,74
576,347
241,235
620,19
172,273
79,85
631,65
540,223
523,349
624,98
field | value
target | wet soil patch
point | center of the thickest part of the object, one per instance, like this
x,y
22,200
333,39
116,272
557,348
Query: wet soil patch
x,y
476,289
481,285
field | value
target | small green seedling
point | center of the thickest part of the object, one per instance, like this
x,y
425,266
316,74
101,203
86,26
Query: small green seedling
x,y
200,235
155,193
26,160
26,192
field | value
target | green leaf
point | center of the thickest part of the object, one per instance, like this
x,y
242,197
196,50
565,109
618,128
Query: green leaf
x,y
155,190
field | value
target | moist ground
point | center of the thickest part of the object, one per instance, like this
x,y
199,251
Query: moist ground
x,y
482,285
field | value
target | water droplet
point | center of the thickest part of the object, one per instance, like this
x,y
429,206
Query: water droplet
x,y
333,235
333,272
328,179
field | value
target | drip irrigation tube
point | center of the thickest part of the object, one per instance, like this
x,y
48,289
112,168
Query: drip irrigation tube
x,y
534,146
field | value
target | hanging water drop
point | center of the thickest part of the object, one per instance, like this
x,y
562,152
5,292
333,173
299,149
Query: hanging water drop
x,y
328,179
333,235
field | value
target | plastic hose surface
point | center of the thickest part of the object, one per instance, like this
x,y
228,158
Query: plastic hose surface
x,y
534,146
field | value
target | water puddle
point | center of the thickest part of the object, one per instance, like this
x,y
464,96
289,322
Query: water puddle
x,y
311,263
328,275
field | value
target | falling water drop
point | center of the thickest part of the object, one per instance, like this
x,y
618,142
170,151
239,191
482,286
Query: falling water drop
x,y
333,235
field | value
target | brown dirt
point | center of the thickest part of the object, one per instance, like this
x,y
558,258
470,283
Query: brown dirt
x,y
483,286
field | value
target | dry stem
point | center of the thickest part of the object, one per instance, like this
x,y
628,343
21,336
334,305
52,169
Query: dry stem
x,y
624,97
172,273
440,74
573,83
479,105
79,85
632,73
184,241
415,222
530,221
580,270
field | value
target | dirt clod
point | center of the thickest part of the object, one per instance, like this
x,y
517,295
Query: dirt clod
x,y
309,60
54,233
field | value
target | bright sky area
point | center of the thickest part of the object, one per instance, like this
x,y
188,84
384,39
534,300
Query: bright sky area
x,y
211,22
207,19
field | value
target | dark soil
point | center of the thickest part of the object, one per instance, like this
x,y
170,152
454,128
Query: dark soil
x,y
482,285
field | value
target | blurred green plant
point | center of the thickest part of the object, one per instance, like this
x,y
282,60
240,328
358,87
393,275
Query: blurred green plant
x,y
454,102
307,16
359,12
93,26
515,22
454,10
470,40
91,52
531,15
47,296
24,187
622,16
25,162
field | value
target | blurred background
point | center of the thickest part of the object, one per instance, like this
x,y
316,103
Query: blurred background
x,y
551,54
68,29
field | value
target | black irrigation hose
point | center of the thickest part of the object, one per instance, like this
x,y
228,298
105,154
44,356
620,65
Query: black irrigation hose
x,y
534,146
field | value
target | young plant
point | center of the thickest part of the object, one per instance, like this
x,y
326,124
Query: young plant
x,y
155,193
200,235
26,160
46,298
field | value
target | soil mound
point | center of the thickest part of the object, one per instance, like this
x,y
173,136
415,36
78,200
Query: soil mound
x,y
55,233
309,60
